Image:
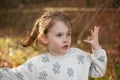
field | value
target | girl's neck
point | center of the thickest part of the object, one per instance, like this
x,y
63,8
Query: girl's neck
x,y
56,54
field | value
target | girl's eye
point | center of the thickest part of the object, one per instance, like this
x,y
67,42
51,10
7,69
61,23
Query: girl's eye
x,y
59,35
69,34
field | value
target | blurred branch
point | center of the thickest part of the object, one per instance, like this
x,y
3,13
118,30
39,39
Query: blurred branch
x,y
57,8
114,18
90,21
102,8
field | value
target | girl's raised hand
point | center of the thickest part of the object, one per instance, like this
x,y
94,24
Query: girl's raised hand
x,y
94,42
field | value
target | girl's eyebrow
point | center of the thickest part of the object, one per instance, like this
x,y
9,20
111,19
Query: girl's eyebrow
x,y
69,31
63,32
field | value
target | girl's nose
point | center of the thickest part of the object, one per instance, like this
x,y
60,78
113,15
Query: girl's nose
x,y
66,39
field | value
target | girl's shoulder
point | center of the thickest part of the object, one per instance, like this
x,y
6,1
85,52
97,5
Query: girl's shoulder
x,y
36,59
79,54
78,51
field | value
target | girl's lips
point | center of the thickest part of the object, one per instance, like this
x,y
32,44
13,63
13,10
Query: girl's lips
x,y
65,47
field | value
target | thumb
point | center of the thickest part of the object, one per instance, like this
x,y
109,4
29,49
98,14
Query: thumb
x,y
87,41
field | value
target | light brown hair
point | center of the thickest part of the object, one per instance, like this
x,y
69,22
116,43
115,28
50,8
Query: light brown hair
x,y
42,25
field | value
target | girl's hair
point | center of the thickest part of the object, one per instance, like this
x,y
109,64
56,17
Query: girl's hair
x,y
42,25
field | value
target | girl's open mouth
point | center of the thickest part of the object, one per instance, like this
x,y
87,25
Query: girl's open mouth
x,y
65,47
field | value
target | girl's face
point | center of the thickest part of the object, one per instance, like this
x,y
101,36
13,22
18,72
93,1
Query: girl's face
x,y
59,38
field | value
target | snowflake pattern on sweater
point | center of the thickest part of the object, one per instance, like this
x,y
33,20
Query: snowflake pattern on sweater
x,y
45,59
80,59
56,68
30,66
70,72
101,58
1,76
20,75
43,75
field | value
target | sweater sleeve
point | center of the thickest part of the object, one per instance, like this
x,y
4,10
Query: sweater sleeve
x,y
98,63
23,72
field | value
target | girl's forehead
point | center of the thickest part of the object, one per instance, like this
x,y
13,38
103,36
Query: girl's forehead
x,y
60,26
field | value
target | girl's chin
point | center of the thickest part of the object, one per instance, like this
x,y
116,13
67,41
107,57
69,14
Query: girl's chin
x,y
64,50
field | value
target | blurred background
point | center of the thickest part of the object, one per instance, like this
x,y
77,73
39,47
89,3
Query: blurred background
x,y
18,16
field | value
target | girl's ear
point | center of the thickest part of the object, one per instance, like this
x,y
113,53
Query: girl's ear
x,y
43,38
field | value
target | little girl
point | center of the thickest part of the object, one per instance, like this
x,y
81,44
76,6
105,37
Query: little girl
x,y
52,31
